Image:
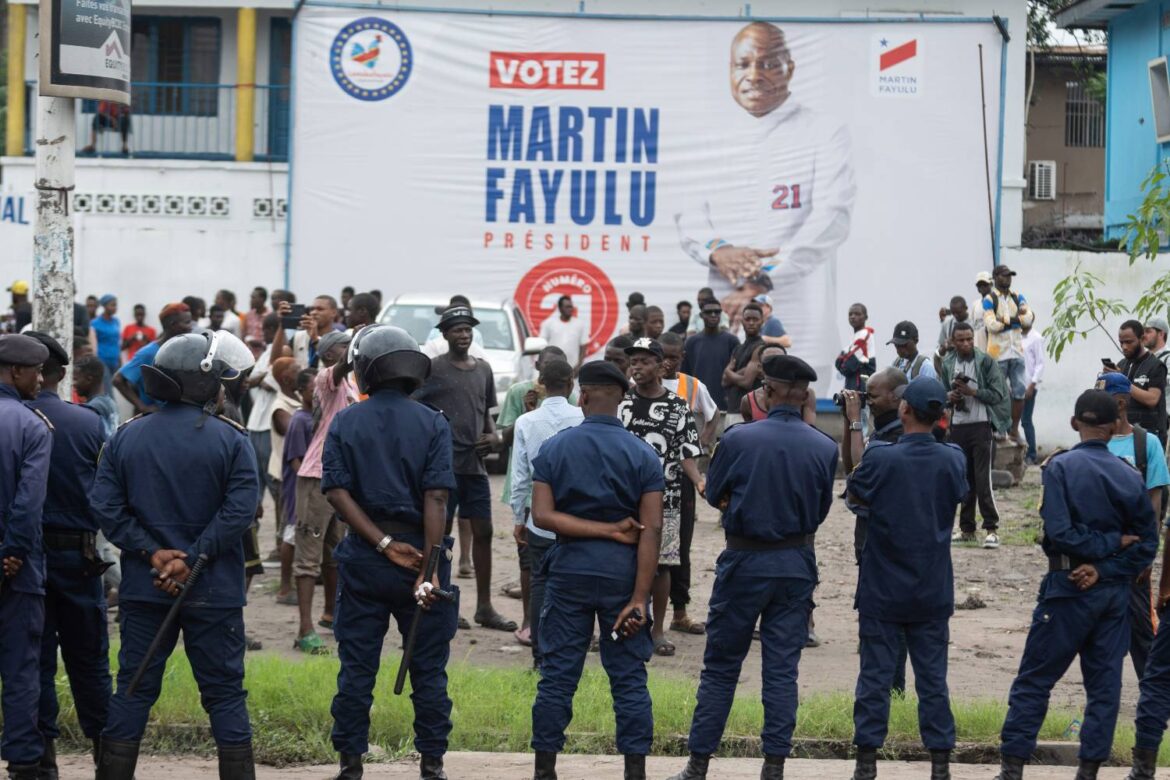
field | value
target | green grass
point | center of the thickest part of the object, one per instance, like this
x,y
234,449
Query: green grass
x,y
289,706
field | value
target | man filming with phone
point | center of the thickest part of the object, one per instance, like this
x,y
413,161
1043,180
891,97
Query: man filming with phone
x,y
312,324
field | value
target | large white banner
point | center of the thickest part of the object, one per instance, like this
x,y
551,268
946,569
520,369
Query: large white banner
x,y
530,157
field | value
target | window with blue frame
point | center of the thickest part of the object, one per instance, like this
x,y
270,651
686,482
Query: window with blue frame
x,y
175,65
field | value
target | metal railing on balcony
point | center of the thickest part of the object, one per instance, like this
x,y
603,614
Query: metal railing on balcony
x,y
178,121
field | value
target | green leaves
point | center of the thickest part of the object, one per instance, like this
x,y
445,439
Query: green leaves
x,y
1145,231
1078,309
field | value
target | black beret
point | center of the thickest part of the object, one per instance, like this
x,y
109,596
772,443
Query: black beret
x,y
602,372
788,368
56,351
18,350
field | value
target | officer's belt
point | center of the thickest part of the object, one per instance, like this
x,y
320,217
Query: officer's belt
x,y
1065,562
64,539
748,544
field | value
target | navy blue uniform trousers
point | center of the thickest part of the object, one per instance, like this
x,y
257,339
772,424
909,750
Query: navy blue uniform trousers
x,y
213,638
882,643
573,604
1153,709
1143,623
1093,625
75,621
370,591
22,615
782,606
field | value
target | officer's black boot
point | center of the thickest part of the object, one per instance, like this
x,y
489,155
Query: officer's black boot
x,y
431,768
773,768
696,768
940,765
117,759
546,766
236,762
1144,763
48,770
866,766
23,771
1087,770
1010,768
635,767
351,767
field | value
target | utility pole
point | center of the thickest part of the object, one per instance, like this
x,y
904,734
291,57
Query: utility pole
x,y
52,283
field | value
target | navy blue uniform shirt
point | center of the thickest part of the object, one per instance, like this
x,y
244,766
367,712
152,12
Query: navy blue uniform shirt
x,y
598,471
776,476
910,490
1091,498
165,483
77,441
26,445
387,451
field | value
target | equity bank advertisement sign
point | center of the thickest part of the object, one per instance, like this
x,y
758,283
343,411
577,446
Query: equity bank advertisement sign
x,y
531,157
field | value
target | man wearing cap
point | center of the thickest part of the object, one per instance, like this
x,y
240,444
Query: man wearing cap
x,y
464,388
1143,451
75,602
107,329
1005,313
980,406
664,421
599,488
772,331
1155,338
436,345
1099,533
26,442
1148,379
773,482
983,286
905,586
910,361
20,314
176,320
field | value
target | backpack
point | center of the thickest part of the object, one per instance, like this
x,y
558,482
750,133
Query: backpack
x,y
995,300
1140,454
916,366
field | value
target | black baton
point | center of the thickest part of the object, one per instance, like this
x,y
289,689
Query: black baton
x,y
192,578
408,648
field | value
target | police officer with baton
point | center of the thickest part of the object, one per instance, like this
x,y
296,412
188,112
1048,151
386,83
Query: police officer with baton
x,y
387,471
172,487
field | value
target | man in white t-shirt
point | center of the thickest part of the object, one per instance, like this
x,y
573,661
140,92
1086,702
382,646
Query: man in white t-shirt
x,y
567,332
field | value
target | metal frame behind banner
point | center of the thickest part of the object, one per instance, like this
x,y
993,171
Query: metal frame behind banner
x,y
57,84
746,17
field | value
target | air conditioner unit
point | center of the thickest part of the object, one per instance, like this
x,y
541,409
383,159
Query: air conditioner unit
x,y
1042,180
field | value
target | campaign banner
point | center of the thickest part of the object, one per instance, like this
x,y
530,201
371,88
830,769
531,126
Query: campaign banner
x,y
529,157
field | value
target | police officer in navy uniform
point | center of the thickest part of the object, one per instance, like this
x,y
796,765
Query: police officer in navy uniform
x,y
599,488
75,601
26,443
172,486
387,471
906,494
773,480
1099,533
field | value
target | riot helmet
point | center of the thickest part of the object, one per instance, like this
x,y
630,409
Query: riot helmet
x,y
380,353
190,367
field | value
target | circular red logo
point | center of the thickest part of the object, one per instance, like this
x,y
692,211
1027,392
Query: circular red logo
x,y
594,296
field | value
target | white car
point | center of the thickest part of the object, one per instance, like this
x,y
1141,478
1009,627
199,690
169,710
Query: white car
x,y
503,334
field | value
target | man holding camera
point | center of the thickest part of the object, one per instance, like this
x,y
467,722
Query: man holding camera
x,y
980,404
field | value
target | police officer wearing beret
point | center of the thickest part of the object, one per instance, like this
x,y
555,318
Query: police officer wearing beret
x,y
387,471
75,602
773,480
1099,533
599,488
905,585
26,443
172,486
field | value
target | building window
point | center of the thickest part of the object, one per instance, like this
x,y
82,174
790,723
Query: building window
x,y
175,65
1084,117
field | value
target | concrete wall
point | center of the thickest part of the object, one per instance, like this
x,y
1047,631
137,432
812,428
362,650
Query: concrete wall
x,y
1080,171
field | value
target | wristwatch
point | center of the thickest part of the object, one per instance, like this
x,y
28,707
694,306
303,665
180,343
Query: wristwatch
x,y
855,425
381,546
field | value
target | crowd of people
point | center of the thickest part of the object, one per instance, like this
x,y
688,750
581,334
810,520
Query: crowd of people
x,y
374,451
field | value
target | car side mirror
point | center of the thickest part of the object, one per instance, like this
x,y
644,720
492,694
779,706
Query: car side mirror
x,y
533,345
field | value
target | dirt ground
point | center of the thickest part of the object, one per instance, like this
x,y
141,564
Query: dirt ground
x,y
513,766
986,643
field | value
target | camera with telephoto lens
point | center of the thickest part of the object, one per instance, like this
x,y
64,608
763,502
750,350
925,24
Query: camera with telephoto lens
x,y
839,398
961,404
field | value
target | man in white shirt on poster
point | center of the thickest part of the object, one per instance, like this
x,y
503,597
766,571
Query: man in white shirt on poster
x,y
566,331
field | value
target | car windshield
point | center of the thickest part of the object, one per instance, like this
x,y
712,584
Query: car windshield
x,y
419,321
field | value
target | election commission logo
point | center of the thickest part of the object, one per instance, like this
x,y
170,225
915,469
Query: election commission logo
x,y
371,59
593,294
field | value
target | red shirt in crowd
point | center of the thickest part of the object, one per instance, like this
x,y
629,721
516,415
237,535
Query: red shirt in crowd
x,y
138,337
